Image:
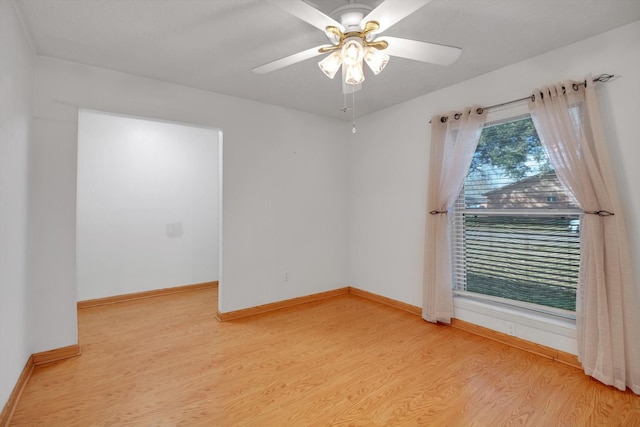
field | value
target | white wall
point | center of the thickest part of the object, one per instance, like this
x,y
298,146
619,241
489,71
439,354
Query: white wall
x,y
147,205
16,86
388,160
284,189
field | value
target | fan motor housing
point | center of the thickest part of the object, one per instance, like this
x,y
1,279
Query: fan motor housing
x,y
351,15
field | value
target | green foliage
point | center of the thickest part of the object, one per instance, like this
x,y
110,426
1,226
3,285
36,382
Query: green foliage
x,y
511,147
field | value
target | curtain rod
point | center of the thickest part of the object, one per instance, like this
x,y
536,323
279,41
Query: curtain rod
x,y
600,78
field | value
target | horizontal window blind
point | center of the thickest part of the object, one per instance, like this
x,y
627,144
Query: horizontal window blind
x,y
516,231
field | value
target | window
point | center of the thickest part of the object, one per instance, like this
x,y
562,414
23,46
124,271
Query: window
x,y
516,231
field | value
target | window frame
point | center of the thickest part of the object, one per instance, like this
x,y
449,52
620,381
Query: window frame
x,y
527,309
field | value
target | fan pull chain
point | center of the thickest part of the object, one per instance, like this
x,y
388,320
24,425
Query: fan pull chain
x,y
353,109
344,108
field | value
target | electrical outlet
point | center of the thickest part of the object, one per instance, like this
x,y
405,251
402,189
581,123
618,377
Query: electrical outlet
x,y
511,328
285,276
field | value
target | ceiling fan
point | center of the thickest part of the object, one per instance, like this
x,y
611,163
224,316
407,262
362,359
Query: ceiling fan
x,y
354,39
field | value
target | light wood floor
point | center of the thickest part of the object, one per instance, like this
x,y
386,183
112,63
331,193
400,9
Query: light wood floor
x,y
166,361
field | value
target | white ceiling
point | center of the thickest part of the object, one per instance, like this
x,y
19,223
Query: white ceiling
x,y
214,44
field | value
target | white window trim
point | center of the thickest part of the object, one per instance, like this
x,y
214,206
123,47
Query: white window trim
x,y
541,310
545,327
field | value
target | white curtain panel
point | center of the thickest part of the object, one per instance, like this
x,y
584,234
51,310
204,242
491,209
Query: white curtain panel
x,y
566,117
454,138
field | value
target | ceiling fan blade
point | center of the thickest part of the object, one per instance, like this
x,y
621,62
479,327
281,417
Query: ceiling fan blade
x,y
288,60
391,11
307,13
422,51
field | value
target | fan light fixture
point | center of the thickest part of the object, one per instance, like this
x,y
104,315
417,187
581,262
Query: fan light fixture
x,y
350,50
353,39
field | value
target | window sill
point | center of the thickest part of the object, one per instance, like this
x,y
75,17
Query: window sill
x,y
544,329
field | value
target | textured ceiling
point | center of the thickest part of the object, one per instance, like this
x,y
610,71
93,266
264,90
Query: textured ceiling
x,y
214,44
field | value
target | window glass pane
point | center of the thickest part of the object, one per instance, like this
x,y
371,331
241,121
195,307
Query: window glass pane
x,y
516,229
529,259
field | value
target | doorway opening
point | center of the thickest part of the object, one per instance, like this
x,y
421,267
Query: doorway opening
x,y
148,205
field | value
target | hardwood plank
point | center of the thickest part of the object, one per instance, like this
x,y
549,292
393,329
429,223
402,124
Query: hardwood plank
x,y
146,294
343,360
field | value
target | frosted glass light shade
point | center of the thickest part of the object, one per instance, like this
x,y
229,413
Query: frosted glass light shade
x,y
375,59
331,64
350,57
352,51
354,74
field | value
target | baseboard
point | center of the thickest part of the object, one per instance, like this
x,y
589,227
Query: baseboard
x,y
386,301
509,340
33,361
56,354
260,309
146,294
74,350
516,342
14,397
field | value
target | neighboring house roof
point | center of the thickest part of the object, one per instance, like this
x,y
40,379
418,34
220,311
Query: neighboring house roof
x,y
540,191
531,180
